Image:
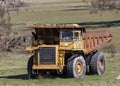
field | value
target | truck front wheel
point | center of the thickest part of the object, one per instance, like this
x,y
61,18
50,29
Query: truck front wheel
x,y
98,63
76,67
29,67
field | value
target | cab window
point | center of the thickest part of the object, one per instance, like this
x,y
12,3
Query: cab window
x,y
66,35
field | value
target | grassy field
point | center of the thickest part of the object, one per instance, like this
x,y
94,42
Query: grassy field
x,y
60,11
116,38
13,66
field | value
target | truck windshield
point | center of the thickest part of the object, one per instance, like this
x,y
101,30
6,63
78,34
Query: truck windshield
x,y
66,35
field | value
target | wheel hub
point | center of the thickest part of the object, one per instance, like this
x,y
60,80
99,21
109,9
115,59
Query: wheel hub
x,y
79,67
101,64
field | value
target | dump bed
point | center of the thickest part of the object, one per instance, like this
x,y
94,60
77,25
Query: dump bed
x,y
94,40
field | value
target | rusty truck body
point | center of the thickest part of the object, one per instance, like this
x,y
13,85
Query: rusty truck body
x,y
67,49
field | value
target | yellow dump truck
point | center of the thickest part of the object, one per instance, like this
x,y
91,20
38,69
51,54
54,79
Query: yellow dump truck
x,y
66,48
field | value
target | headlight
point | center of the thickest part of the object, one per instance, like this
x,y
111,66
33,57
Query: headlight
x,y
66,44
35,42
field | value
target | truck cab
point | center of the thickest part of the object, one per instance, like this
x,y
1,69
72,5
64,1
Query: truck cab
x,y
71,40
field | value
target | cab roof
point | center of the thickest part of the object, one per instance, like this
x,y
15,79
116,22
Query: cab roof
x,y
55,26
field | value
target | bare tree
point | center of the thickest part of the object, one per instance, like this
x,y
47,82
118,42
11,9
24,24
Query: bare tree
x,y
104,5
6,42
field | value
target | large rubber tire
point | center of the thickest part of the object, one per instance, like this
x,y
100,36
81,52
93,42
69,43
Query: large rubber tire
x,y
29,67
98,63
76,67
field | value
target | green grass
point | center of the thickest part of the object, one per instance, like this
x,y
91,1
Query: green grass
x,y
63,17
60,11
18,76
116,37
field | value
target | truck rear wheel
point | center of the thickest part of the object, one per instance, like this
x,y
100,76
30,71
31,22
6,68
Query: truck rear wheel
x,y
98,63
29,67
76,67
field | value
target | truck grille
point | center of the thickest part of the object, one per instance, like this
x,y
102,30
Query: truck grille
x,y
47,55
